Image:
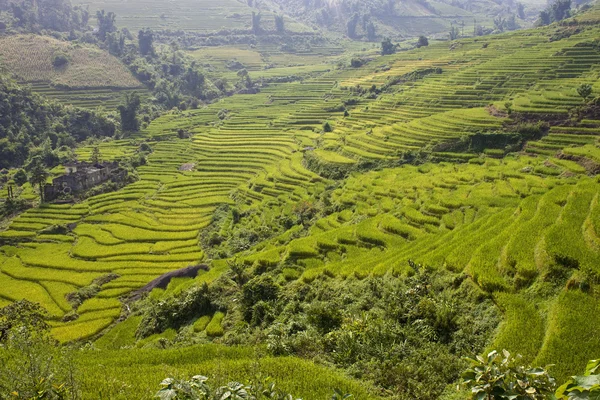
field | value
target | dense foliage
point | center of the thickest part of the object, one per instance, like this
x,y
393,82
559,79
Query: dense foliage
x,y
33,366
35,16
28,122
407,335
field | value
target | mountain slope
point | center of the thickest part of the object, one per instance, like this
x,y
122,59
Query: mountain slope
x,y
476,158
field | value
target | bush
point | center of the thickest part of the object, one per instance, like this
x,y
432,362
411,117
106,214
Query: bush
x,y
582,387
327,127
60,60
33,367
357,62
198,388
20,177
494,377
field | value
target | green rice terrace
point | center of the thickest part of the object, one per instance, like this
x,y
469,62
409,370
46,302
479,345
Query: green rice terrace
x,y
362,228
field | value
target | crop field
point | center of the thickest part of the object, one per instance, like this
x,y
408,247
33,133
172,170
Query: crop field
x,y
116,374
505,220
197,16
29,57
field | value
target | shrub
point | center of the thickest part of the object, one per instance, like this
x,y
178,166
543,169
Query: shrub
x,y
582,387
60,60
20,177
258,289
198,388
357,62
423,41
327,127
494,377
33,367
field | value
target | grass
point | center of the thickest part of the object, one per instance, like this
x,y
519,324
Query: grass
x,y
214,327
138,373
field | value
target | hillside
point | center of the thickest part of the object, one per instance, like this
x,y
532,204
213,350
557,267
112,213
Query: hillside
x,y
90,76
374,19
387,219
200,16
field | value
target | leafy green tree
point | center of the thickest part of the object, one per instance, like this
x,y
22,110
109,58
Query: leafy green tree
x,y
20,177
545,18
387,47
499,24
146,42
371,32
560,10
128,112
95,158
585,91
106,23
351,26
454,33
38,174
422,42
116,43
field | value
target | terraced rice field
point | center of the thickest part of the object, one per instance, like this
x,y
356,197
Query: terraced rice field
x,y
197,16
254,160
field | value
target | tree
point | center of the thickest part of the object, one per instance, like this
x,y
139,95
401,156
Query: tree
x,y
128,112
499,24
38,174
557,11
256,29
585,91
357,62
454,33
106,23
544,18
422,42
279,24
387,47
245,79
521,10
371,32
351,26
146,42
560,10
116,43
95,158
20,177
60,60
